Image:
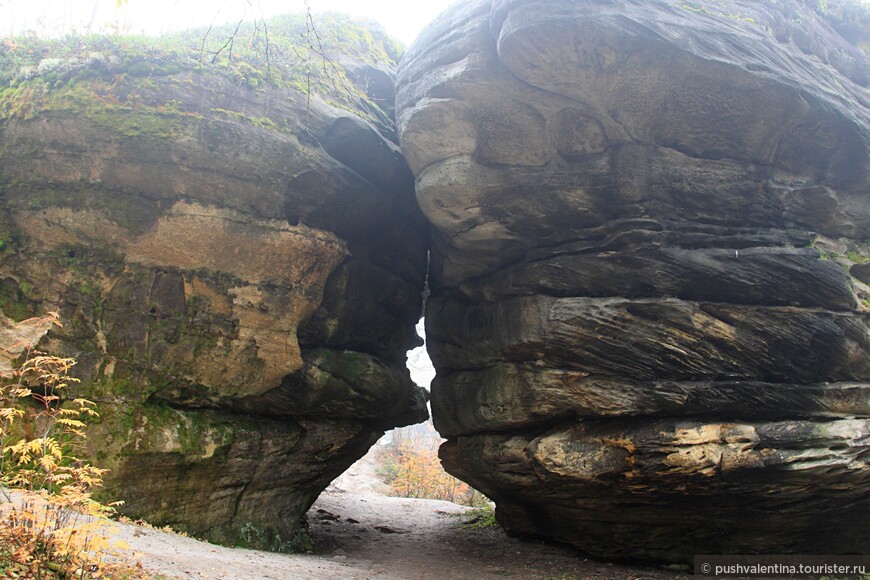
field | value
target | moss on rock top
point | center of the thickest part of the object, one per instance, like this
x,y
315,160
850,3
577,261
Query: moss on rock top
x,y
287,52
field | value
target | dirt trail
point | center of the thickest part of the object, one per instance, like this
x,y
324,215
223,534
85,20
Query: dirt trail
x,y
360,533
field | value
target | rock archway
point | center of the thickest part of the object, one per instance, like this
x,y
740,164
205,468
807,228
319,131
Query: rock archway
x,y
649,309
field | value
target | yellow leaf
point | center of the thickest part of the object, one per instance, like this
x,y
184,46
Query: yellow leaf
x,y
53,447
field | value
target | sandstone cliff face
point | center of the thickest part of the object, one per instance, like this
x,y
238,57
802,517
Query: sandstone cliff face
x,y
650,314
237,260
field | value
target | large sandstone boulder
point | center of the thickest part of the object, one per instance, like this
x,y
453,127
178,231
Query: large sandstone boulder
x,y
232,242
650,315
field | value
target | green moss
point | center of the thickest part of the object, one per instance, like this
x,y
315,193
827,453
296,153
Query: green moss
x,y
132,118
96,102
196,434
262,122
14,301
8,231
848,252
128,429
22,101
857,258
482,517
195,330
350,366
111,387
255,537
87,288
719,14
287,58
8,245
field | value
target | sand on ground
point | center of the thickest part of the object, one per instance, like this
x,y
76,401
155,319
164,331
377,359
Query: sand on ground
x,y
360,532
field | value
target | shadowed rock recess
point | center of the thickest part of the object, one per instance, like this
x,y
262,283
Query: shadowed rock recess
x,y
232,241
650,315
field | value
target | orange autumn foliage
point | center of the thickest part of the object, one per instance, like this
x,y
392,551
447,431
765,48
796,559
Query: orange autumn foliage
x,y
50,525
412,469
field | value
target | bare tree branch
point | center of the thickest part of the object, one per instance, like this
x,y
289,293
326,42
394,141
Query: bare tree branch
x,y
229,43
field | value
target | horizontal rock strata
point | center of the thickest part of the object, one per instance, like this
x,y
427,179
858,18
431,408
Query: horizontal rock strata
x,y
650,315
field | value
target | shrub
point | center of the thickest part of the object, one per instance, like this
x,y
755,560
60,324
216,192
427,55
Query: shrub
x,y
412,469
50,526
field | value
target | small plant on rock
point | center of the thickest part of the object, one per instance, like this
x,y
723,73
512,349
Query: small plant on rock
x,y
482,517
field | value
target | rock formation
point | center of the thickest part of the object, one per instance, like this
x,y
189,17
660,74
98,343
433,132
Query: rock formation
x,y
234,248
650,315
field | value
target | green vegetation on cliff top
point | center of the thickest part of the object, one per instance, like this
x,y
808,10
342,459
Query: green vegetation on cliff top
x,y
37,75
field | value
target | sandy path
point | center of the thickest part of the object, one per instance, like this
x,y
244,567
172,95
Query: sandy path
x,y
359,533
394,538
174,556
